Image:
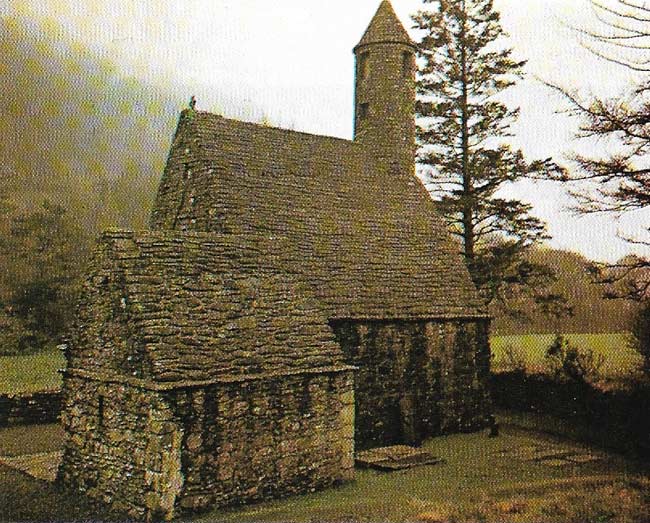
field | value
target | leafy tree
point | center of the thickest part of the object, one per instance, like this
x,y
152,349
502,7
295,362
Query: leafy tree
x,y
42,256
569,363
463,131
15,338
617,180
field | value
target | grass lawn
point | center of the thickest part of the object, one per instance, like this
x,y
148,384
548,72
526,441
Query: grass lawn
x,y
482,479
620,360
31,373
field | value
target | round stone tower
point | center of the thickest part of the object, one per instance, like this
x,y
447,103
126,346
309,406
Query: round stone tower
x,y
385,91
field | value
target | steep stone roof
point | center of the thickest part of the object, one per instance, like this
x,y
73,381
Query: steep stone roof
x,y
385,27
365,237
166,306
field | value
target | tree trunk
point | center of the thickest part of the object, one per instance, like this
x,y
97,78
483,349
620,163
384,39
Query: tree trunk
x,y
468,228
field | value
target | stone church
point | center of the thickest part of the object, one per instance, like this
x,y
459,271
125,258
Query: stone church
x,y
296,296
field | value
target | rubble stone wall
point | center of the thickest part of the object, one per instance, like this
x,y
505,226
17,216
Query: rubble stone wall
x,y
159,453
417,378
122,447
264,439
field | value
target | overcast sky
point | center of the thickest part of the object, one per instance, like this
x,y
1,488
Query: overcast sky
x,y
291,62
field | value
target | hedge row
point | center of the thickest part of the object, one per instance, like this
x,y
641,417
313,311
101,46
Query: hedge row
x,y
618,419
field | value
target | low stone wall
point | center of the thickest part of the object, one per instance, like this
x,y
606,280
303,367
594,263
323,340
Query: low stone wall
x,y
30,408
417,378
616,419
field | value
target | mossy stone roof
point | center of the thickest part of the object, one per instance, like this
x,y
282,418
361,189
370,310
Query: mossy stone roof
x,y
366,237
199,307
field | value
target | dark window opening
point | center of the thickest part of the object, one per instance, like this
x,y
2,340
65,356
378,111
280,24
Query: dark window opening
x,y
407,60
363,65
363,110
100,412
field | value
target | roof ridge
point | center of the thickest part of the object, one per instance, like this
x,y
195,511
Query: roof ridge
x,y
214,116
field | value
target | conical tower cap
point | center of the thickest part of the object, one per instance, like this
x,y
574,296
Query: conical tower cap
x,y
385,27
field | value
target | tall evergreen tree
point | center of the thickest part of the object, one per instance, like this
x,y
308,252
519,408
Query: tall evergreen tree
x,y
462,130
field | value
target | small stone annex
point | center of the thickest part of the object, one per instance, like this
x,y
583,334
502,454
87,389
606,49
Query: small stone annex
x,y
297,297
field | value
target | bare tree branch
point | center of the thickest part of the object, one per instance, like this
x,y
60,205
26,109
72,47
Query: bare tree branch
x,y
629,16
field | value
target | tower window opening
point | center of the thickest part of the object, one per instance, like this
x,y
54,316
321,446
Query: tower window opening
x,y
363,110
363,65
407,60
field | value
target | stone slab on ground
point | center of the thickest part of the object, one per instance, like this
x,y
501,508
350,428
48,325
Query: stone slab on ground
x,y
41,466
535,452
551,455
569,458
526,452
397,457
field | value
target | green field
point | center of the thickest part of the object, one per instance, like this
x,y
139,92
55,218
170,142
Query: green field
x,y
619,360
31,373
